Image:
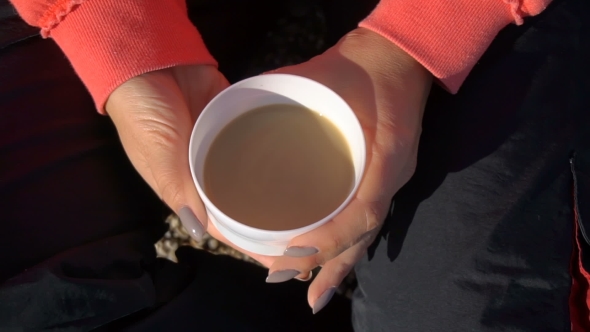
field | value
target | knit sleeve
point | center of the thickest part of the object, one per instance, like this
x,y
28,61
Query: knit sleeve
x,y
448,37
111,41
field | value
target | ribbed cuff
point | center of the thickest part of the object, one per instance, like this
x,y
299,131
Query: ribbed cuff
x,y
446,37
111,41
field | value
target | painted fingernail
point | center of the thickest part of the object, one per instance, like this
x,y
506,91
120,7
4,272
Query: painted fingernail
x,y
191,223
308,278
321,302
300,251
282,276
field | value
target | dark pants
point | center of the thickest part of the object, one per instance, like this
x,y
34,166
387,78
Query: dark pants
x,y
481,239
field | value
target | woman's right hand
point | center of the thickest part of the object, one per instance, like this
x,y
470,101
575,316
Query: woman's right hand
x,y
387,89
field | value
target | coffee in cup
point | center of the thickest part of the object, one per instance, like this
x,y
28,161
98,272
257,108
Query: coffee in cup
x,y
279,167
273,157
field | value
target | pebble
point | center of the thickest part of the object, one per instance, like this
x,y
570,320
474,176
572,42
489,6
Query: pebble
x,y
212,244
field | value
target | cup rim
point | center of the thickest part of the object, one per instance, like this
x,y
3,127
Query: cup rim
x,y
209,204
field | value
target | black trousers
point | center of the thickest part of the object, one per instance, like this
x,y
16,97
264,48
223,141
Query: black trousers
x,y
482,236
481,239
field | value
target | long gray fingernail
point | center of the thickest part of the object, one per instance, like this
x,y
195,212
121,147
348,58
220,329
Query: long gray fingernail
x,y
321,302
300,251
191,223
282,276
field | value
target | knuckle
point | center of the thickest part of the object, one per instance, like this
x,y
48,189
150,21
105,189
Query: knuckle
x,y
336,242
373,217
160,138
319,260
343,269
335,245
159,130
170,190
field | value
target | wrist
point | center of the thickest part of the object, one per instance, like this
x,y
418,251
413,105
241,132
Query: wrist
x,y
380,56
110,41
391,69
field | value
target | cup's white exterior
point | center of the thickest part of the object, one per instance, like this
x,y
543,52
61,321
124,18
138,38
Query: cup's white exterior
x,y
256,92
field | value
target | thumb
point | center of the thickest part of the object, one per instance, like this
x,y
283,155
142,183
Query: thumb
x,y
172,177
154,125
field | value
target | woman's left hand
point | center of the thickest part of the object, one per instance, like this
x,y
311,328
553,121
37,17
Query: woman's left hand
x,y
387,89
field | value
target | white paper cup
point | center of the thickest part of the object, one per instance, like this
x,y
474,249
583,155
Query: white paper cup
x,y
253,93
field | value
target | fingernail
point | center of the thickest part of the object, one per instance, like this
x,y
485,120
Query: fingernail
x,y
191,223
321,302
309,275
300,251
282,276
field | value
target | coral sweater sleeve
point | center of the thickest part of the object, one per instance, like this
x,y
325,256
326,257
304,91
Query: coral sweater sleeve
x,y
448,36
111,41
